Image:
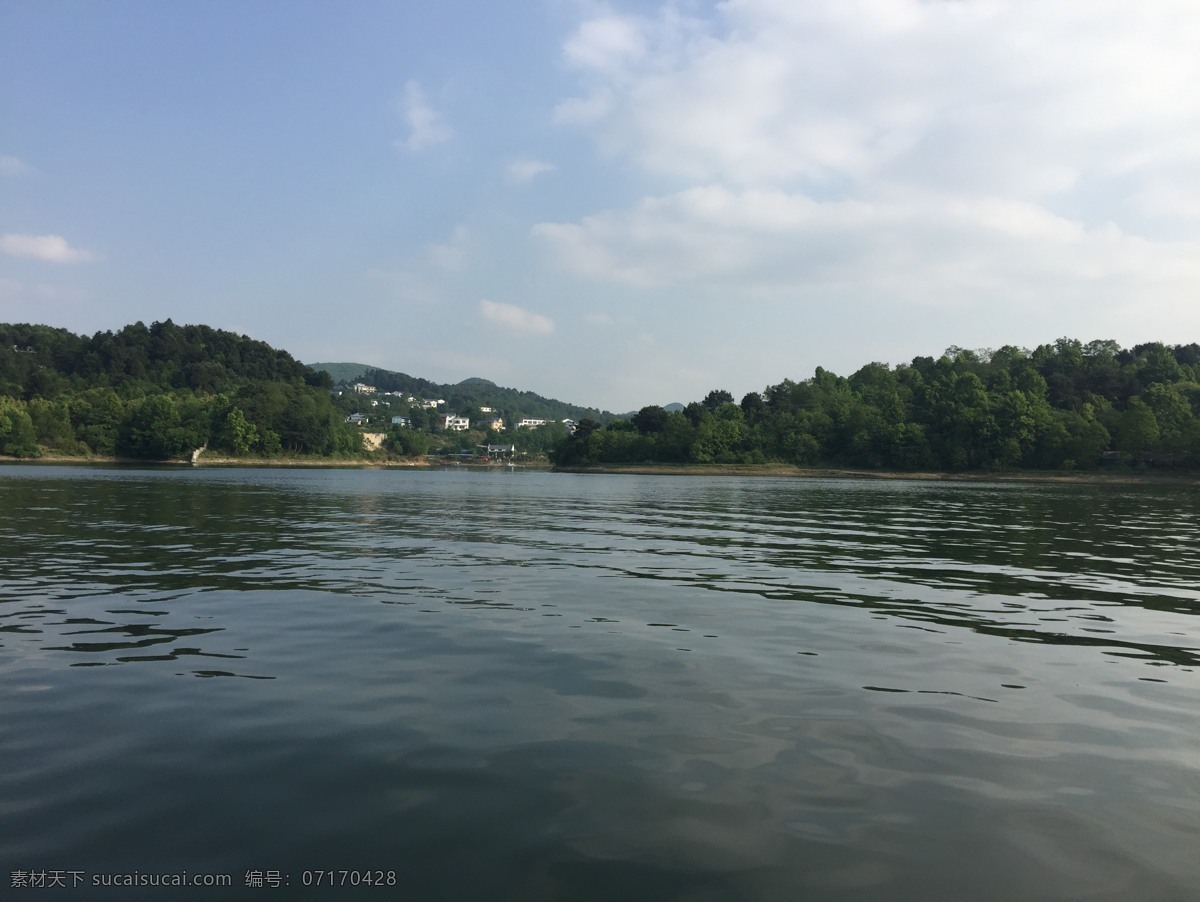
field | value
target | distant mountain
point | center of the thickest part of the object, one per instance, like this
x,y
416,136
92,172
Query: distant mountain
x,y
473,392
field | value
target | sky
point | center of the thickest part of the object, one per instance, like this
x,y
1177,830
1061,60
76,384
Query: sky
x,y
612,204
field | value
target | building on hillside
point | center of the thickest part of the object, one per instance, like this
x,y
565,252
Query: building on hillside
x,y
405,422
455,423
500,451
496,424
364,389
487,409
433,405
531,423
357,419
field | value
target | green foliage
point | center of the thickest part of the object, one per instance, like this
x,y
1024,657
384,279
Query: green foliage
x,y
1137,429
159,392
407,442
1062,406
52,423
17,437
715,398
651,420
96,415
538,441
233,432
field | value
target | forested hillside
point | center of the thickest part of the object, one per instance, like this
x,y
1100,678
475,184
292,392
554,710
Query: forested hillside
x,y
470,394
1065,405
159,392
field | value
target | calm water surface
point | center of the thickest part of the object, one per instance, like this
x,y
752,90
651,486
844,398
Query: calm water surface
x,y
520,685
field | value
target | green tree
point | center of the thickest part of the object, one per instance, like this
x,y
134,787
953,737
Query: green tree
x,y
722,437
1173,414
651,420
752,406
96,415
715,398
234,433
1137,431
52,424
17,437
153,430
407,442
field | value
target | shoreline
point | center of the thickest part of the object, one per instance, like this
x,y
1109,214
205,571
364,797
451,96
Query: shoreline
x,y
277,462
1087,477
1066,477
298,463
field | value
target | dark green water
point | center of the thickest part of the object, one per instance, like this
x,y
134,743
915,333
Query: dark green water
x,y
539,686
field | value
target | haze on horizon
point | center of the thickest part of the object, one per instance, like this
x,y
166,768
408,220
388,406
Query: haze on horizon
x,y
613,204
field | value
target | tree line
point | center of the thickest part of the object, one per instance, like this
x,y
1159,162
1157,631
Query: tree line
x,y
159,392
1062,406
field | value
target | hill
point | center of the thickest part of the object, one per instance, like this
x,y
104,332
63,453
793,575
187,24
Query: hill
x,y
159,392
1064,406
471,393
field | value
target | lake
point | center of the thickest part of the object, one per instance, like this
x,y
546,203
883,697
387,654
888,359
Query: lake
x,y
528,685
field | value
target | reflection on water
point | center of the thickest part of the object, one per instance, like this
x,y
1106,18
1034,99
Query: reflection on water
x,y
546,686
1113,569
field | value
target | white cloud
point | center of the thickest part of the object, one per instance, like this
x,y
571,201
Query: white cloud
x,y
47,248
898,152
980,96
608,43
12,167
515,318
526,170
426,125
923,249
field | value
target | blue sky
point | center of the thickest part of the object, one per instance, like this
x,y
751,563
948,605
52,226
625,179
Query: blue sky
x,y
615,204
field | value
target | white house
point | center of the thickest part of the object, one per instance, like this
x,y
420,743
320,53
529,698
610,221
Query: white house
x,y
455,423
529,423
